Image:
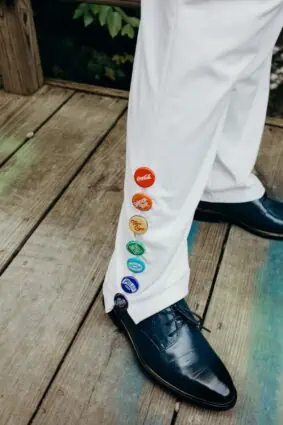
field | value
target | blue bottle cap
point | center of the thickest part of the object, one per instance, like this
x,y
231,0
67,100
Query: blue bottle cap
x,y
136,265
130,284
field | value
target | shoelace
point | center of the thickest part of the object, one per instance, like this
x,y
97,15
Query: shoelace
x,y
196,320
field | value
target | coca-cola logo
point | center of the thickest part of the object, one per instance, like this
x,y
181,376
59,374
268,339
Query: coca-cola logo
x,y
145,177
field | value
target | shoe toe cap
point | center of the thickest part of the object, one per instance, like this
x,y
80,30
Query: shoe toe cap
x,y
215,390
221,392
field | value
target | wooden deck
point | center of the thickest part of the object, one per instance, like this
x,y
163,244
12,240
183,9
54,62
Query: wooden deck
x,y
61,360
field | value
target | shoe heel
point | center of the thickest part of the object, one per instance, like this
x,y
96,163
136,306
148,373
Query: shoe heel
x,y
210,217
115,321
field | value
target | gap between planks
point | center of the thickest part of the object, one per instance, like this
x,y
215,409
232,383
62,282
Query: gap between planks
x,y
40,288
89,88
31,252
82,392
22,117
47,413
124,94
245,311
53,165
158,396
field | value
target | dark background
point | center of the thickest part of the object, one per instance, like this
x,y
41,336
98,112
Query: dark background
x,y
72,52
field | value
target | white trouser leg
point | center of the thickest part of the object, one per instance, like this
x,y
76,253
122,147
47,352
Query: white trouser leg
x,y
232,178
192,50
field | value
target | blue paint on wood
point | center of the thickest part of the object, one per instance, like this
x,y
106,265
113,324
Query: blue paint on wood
x,y
132,383
130,386
192,235
265,365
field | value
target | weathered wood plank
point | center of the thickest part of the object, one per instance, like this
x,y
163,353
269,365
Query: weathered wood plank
x,y
51,283
206,242
88,88
35,176
20,60
229,320
100,381
246,315
20,116
275,121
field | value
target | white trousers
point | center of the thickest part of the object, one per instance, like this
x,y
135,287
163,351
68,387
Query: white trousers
x,y
196,115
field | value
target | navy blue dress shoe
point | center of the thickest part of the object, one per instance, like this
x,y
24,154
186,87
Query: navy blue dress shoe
x,y
263,217
171,348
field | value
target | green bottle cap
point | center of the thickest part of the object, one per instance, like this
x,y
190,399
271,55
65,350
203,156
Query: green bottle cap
x,y
135,248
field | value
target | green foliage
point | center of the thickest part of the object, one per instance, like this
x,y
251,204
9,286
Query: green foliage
x,y
117,22
122,59
114,18
101,64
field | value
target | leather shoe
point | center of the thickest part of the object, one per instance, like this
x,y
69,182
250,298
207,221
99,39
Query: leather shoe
x,y
171,348
263,217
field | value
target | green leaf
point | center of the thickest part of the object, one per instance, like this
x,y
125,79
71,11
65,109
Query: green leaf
x,y
117,59
135,22
104,14
110,73
129,58
95,9
80,11
114,23
128,30
88,19
121,12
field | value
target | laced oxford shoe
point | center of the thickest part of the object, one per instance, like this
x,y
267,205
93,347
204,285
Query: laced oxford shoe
x,y
262,217
171,348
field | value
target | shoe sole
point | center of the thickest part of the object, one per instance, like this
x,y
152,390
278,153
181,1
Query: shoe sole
x,y
216,217
188,397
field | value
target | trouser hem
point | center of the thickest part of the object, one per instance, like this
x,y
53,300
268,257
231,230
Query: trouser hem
x,y
235,196
142,309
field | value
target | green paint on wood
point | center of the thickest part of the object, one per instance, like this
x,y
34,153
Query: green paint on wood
x,y
265,363
15,170
8,145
